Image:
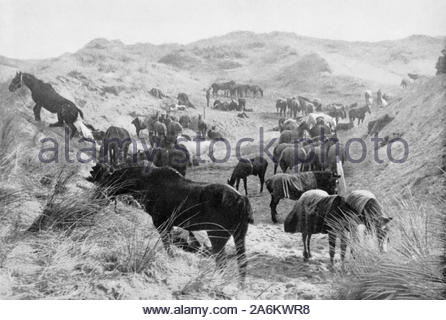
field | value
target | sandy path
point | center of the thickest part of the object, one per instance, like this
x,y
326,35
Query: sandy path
x,y
276,269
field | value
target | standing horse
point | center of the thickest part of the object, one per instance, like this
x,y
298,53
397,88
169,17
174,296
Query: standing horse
x,y
318,212
359,113
115,146
281,106
46,97
173,200
289,186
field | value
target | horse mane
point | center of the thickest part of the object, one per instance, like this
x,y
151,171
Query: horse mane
x,y
365,203
166,173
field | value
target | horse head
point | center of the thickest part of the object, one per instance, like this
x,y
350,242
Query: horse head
x,y
17,82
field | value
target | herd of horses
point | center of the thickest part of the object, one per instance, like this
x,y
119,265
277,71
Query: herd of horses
x,y
233,89
308,145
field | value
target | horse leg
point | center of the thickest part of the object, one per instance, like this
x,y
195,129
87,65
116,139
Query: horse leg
x,y
304,241
59,122
218,240
73,129
308,245
36,111
244,184
237,183
331,246
239,239
262,181
273,205
276,164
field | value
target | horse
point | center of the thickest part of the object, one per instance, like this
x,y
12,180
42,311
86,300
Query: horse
x,y
214,135
291,131
185,121
183,100
173,200
336,111
115,145
195,148
281,106
404,83
291,157
44,96
221,86
289,186
315,118
359,113
174,129
318,212
293,107
306,105
175,157
139,125
256,166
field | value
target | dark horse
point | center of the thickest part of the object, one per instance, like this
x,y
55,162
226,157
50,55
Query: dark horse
x,y
292,186
45,96
115,146
173,200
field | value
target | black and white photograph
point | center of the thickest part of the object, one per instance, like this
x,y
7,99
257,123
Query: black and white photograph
x,y
288,150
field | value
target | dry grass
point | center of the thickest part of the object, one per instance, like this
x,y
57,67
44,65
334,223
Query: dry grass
x,y
411,268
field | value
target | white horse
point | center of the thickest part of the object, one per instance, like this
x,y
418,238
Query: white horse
x,y
195,148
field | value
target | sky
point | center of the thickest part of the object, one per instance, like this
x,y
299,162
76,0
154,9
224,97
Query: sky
x,y
47,28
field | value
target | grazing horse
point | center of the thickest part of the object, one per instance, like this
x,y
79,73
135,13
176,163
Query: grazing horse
x,y
281,106
173,200
245,167
359,113
46,97
292,186
318,212
115,145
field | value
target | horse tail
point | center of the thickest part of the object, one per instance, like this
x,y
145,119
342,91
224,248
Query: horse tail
x,y
83,129
245,210
80,112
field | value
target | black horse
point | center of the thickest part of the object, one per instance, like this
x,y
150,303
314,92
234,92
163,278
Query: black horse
x,y
46,97
173,200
